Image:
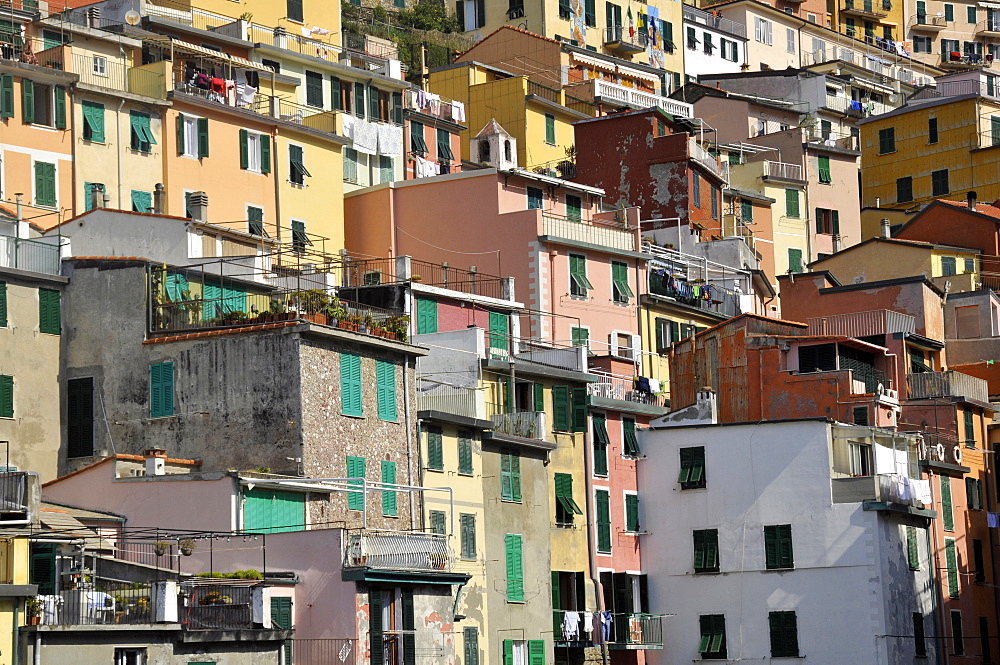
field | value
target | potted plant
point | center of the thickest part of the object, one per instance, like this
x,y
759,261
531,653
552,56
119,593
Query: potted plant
x,y
312,302
211,598
332,311
438,560
187,546
161,547
33,610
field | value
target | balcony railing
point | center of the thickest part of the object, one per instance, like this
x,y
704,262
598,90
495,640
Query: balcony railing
x,y
614,386
947,384
954,59
626,631
25,254
392,550
32,50
215,607
782,170
990,138
639,99
695,15
704,157
708,296
590,232
525,424
925,22
866,7
103,72
13,496
891,488
832,139
448,399
989,25
625,41
862,324
324,651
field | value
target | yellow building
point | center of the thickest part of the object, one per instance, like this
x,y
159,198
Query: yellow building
x,y
939,146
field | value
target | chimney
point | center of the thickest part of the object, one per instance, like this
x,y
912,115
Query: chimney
x,y
199,206
970,200
159,198
94,17
836,243
708,405
97,196
156,460
886,232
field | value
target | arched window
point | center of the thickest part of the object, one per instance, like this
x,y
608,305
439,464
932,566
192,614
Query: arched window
x,y
506,151
484,151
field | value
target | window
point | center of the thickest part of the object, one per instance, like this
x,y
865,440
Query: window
x,y
794,260
435,449
299,236
951,561
142,201
417,144
515,570
778,547
350,165
580,336
762,31
709,47
579,285
630,438
912,548
696,189
904,189
692,474
550,129
948,266
792,203
819,50
6,95
294,10
590,13
470,637
949,13
824,169
574,205
49,312
45,184
161,390
827,221
860,415
632,512
385,169
790,40
141,132
438,520
385,386
130,656
535,198
314,89
713,634
970,428
939,182
510,475
388,498
619,282
922,44
932,130
974,493
192,136
602,501
566,507
886,140
465,452
296,166
350,385
255,221
730,50
467,524
706,551
692,38
6,396
427,316
444,146
42,104
93,122
977,560
601,442
713,192
957,636
255,151
355,469
270,511
784,634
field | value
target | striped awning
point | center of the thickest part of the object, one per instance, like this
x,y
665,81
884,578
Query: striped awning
x,y
234,60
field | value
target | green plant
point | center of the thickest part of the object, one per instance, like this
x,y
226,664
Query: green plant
x,y
186,546
277,306
399,325
246,16
33,606
161,547
312,301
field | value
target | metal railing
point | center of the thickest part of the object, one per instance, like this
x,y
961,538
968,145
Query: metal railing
x,y
923,21
966,59
865,6
32,50
620,34
588,231
639,99
25,254
449,399
526,424
867,380
862,324
694,15
437,106
13,495
990,138
365,272
397,550
989,25
614,386
625,630
98,602
708,296
833,139
782,170
704,157
215,607
280,38
946,384
146,553
324,650
545,92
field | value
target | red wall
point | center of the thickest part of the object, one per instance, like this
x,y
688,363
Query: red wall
x,y
954,225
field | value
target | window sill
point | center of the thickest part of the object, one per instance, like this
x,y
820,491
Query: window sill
x,y
708,572
172,415
891,152
351,415
296,185
428,468
778,570
604,552
467,474
54,334
502,500
576,297
693,489
92,141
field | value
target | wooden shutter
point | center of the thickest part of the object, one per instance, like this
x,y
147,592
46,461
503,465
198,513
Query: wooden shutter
x,y
631,440
356,469
244,149
791,203
80,417
336,102
539,394
438,522
397,108
468,524
560,408
951,559
388,497
536,652
281,617
948,515
3,304
506,483
685,466
376,647
45,184
350,384
6,96
59,93
42,568
385,382
27,101
631,512
515,571
579,409
471,644
435,450
556,602
464,453
508,645
600,436
426,316
912,548
359,99
373,114
6,396
265,153
515,474
603,501
409,628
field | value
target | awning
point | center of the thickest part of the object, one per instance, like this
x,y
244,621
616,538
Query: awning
x,y
234,60
991,5
593,62
598,63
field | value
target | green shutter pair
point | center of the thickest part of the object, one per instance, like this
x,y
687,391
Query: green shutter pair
x,y
175,286
465,453
602,501
161,390
350,385
444,146
265,151
142,201
632,513
713,635
356,469
973,494
550,129
970,429
438,520
255,221
388,496
386,170
912,548
499,330
778,547
579,284
706,551
746,211
298,168
49,312
580,336
45,184
270,511
6,95
947,513
6,396
601,443
3,304
418,145
435,449
471,643
350,165
515,568
784,634
142,134
631,439
886,140
510,474
824,169
791,203
385,385
574,208
468,535
794,259
951,561
427,316
93,121
566,506
281,617
619,280
536,652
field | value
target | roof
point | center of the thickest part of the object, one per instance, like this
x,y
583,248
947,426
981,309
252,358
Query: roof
x,y
983,211
917,105
700,90
915,279
458,56
119,456
897,241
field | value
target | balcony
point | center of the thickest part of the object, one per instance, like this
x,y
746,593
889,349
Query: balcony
x,y
709,296
862,324
612,93
885,488
925,23
990,138
782,171
853,109
617,38
701,17
435,105
865,8
15,497
561,97
989,28
594,232
455,400
33,255
628,631
957,61
109,74
927,385
525,424
830,139
707,159
622,388
35,51
397,550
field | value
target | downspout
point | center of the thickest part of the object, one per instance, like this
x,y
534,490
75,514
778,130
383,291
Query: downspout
x,y
990,468
17,632
937,601
591,551
38,647
277,215
409,444
118,132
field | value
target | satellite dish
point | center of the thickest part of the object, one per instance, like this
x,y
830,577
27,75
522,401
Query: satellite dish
x,y
132,17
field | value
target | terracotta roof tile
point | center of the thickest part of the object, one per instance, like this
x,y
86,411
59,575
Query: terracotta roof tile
x,y
216,333
504,27
988,209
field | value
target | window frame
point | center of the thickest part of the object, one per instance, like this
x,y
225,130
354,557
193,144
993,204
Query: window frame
x,y
706,551
778,547
297,171
621,292
692,474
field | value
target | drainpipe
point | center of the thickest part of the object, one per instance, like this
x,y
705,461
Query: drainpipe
x,y
937,600
38,647
409,444
118,130
990,469
17,632
591,547
277,218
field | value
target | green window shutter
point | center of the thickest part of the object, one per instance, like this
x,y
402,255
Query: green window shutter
x,y
948,266
556,603
560,408
350,385
603,504
515,570
417,143
506,481
539,397
142,201
438,525
281,616
685,466
336,101
468,523
181,135
499,330
6,95
376,646
601,441
535,198
6,396
27,101
970,428
59,93
356,469
388,497
386,172
947,514
359,99
202,137
746,211
244,149
632,513
951,559
385,382
886,140
770,548
515,474
949,12
574,207
619,282
566,505
270,511
791,203
397,108
45,184
49,312
42,568
536,652
824,169
93,122
3,304
579,409
778,547
706,551
508,652
427,316
464,453
409,627
550,128
630,439
373,111
265,153
435,449
444,145
784,634
912,551
161,390
836,222
794,259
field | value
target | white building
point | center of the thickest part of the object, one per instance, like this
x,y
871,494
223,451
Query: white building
x,y
712,44
786,539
